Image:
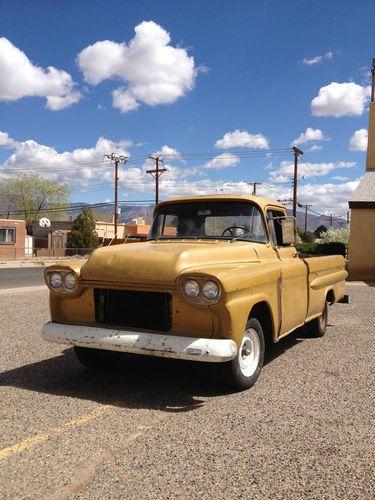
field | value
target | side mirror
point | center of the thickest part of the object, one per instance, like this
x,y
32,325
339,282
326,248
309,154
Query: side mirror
x,y
288,226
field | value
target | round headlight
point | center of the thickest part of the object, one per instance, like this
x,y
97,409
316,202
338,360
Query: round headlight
x,y
56,280
210,290
70,281
191,289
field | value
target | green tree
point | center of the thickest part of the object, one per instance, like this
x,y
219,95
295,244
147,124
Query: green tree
x,y
83,233
30,197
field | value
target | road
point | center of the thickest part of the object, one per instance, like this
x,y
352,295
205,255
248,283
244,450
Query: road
x,y
155,428
21,277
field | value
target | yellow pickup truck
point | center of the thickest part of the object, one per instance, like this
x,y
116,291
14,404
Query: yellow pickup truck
x,y
217,280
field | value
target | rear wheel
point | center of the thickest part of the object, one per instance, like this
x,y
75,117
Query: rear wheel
x,y
97,359
318,326
243,371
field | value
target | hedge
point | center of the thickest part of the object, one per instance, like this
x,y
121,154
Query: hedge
x,y
333,248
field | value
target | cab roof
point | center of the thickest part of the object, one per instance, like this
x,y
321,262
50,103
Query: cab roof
x,y
258,200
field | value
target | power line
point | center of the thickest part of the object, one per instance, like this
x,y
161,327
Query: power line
x,y
56,167
74,208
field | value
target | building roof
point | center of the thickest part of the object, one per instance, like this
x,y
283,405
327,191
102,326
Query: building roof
x,y
365,192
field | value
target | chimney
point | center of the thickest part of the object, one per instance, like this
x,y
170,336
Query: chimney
x,y
370,158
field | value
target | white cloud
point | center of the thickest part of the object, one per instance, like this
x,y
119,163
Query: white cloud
x,y
310,135
327,198
358,141
123,100
314,60
324,198
339,178
85,170
314,148
340,99
169,153
345,164
318,59
6,141
306,170
20,78
84,164
224,160
242,139
154,72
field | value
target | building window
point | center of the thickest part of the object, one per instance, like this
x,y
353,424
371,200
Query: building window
x,y
7,235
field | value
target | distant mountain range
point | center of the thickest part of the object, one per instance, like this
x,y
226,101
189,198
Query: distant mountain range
x,y
314,221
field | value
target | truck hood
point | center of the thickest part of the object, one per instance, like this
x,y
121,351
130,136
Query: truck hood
x,y
160,262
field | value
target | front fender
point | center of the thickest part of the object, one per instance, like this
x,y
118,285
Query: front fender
x,y
230,321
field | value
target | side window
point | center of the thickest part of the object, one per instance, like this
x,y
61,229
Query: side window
x,y
7,235
274,223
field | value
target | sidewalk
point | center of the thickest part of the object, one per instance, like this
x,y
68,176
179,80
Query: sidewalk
x,y
37,262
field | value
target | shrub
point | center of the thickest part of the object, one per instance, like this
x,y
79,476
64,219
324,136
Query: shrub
x,y
336,235
307,248
332,248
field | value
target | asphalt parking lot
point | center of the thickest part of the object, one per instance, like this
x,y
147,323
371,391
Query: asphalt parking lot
x,y
155,428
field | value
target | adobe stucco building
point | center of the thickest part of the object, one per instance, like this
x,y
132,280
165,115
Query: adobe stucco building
x,y
362,205
12,238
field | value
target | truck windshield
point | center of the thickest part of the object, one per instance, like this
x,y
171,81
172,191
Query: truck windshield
x,y
209,220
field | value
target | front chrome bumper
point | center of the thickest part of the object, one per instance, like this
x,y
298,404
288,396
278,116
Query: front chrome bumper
x,y
151,344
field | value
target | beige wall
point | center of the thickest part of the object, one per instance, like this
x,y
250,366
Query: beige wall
x,y
107,230
362,244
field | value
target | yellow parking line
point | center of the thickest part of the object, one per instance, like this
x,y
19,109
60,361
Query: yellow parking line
x,y
39,438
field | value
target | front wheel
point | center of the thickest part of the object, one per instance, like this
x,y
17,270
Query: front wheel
x,y
243,371
97,359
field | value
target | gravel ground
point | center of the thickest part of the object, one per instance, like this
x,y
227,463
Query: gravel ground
x,y
157,428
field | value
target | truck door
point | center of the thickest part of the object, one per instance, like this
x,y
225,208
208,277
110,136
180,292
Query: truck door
x,y
293,277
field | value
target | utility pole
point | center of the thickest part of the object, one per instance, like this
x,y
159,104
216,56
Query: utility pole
x,y
348,217
373,80
156,173
305,207
297,155
331,220
255,184
116,159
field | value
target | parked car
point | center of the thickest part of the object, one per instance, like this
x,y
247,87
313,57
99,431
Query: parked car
x,y
218,280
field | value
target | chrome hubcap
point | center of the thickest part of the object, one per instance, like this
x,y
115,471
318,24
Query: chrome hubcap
x,y
249,353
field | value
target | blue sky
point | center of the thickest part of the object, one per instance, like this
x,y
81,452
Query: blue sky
x,y
217,88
